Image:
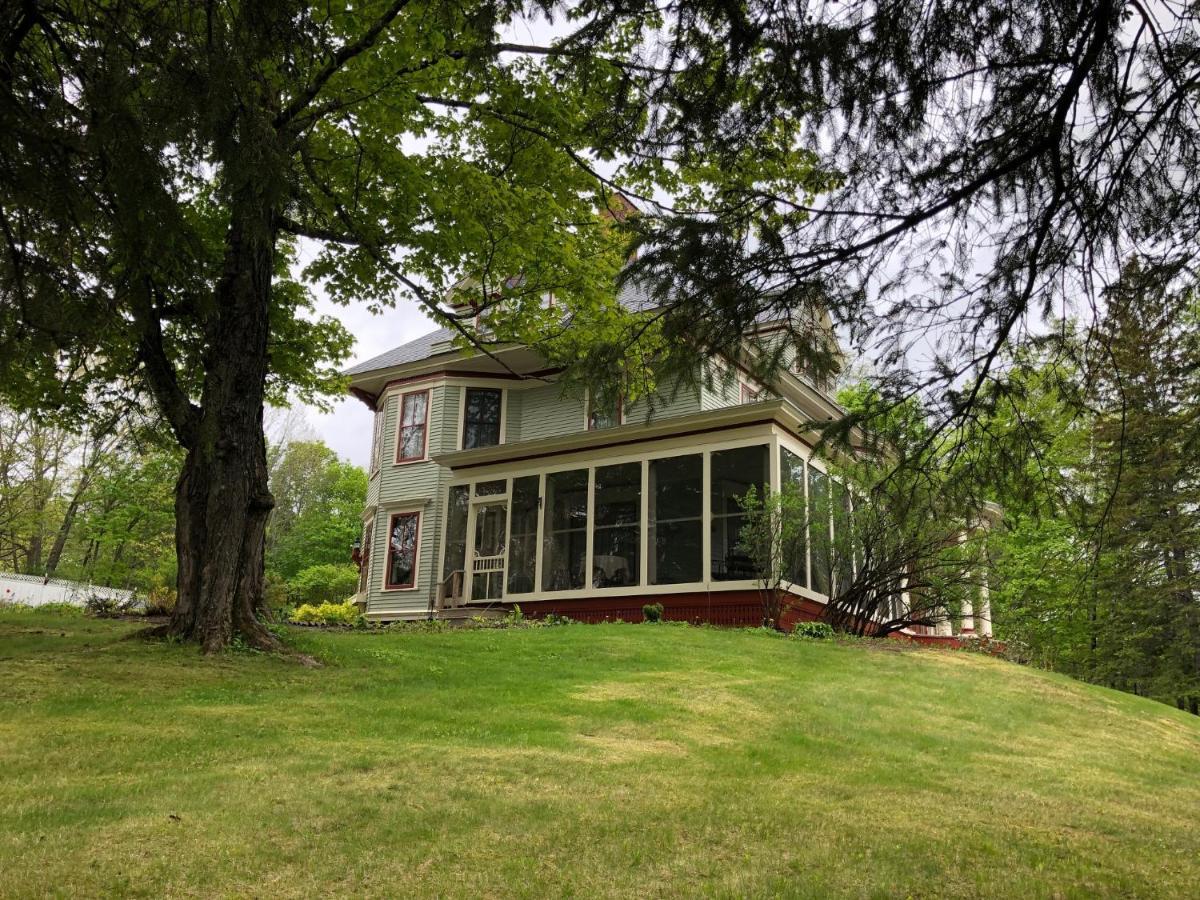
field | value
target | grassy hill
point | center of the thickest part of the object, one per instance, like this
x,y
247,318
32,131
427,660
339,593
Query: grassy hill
x,y
584,760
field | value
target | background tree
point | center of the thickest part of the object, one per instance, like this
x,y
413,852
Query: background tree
x,y
318,509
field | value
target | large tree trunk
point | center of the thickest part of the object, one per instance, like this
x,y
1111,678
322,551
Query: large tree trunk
x,y
222,500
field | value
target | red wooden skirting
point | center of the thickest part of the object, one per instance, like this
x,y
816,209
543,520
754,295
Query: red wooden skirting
x,y
734,608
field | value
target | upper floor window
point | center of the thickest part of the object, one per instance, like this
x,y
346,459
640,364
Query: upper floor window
x,y
603,414
380,415
751,394
481,417
414,416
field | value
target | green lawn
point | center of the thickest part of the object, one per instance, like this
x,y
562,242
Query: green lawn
x,y
618,760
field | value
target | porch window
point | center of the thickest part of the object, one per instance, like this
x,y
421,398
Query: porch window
x,y
676,519
791,471
481,417
733,473
456,539
818,529
402,550
565,539
414,413
522,548
617,528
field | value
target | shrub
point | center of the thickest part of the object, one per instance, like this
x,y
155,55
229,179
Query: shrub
x,y
345,613
160,601
103,607
327,583
813,630
652,612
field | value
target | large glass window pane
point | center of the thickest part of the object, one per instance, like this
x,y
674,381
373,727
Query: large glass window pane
x,y
564,555
491,539
617,530
676,520
791,472
818,529
481,418
522,549
454,566
402,551
414,413
733,473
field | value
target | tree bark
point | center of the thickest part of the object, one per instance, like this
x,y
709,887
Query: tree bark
x,y
222,499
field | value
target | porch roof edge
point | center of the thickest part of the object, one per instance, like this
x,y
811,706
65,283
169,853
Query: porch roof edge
x,y
764,412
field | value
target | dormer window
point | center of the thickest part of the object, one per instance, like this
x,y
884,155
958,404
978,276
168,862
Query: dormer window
x,y
482,410
410,434
601,414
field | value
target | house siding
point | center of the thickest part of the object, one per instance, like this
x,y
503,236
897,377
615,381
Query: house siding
x,y
410,486
531,413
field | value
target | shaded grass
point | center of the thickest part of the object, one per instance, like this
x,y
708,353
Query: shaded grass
x,y
588,760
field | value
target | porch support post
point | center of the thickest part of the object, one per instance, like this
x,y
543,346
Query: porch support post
x,y
985,608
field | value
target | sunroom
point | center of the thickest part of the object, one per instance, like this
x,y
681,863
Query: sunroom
x,y
638,510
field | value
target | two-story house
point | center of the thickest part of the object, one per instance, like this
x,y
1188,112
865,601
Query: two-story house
x,y
489,488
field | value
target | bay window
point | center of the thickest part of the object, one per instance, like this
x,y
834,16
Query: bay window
x,y
414,416
402,551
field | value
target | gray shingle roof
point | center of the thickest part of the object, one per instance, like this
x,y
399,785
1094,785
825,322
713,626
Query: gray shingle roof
x,y
633,296
414,351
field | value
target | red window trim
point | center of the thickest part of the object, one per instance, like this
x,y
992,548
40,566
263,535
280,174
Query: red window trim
x,y
620,414
400,426
387,569
749,394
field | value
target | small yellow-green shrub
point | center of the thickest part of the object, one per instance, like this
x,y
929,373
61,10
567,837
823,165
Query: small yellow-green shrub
x,y
345,613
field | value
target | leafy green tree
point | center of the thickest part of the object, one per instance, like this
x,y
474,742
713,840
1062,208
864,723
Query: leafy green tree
x,y
318,509
159,161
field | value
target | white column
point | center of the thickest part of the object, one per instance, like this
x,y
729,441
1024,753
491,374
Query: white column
x,y
968,617
985,609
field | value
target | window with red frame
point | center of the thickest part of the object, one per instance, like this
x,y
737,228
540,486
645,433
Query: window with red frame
x,y
749,394
364,558
414,414
402,550
603,414
377,438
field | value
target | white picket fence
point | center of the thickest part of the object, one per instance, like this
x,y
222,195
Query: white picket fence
x,y
33,590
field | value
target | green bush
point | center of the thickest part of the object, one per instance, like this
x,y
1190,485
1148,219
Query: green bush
x,y
326,583
346,613
813,630
652,612
161,599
